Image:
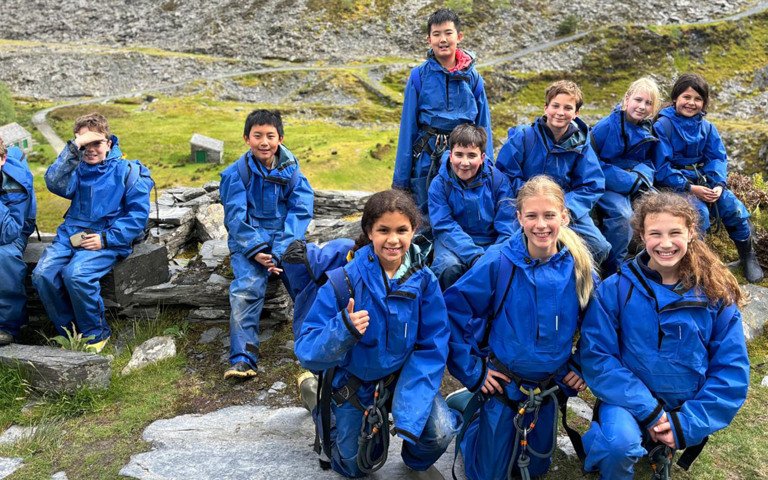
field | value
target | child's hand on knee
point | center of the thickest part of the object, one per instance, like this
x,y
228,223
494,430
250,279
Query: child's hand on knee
x,y
359,319
574,381
92,241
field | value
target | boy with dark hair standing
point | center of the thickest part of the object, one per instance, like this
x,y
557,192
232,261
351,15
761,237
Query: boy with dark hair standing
x,y
268,204
441,93
558,144
470,205
17,221
108,213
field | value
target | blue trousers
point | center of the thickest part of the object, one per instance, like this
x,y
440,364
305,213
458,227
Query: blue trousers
x,y
446,266
67,280
13,295
595,240
615,444
733,213
489,440
443,424
615,210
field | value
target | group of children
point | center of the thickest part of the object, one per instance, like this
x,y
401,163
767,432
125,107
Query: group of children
x,y
515,247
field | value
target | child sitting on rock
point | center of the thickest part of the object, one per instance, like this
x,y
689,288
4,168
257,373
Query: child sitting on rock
x,y
108,214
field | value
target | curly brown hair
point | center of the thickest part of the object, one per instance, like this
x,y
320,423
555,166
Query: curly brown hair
x,y
700,267
95,122
385,202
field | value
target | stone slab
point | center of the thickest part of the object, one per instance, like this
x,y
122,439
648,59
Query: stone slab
x,y
170,215
51,369
9,465
755,312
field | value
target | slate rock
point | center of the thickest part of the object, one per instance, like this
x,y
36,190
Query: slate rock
x,y
16,433
59,476
755,312
210,335
207,314
213,252
170,215
185,194
9,465
580,407
764,383
51,369
151,351
210,223
211,186
249,442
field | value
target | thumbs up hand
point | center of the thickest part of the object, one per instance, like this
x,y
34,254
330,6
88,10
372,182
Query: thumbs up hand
x,y
359,319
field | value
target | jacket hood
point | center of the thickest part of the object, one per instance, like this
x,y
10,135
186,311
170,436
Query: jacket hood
x,y
432,61
575,142
516,249
689,129
16,168
662,296
450,176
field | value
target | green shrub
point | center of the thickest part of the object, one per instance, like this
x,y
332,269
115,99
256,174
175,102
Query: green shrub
x,y
7,111
568,26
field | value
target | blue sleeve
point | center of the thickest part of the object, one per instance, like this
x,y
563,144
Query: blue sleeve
x,y
12,217
250,240
504,220
301,202
616,179
587,183
422,372
484,115
716,166
510,159
725,388
326,334
61,177
445,227
409,130
131,223
470,298
666,174
601,362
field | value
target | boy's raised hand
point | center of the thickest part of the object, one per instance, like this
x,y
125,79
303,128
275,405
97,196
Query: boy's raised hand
x,y
88,137
359,319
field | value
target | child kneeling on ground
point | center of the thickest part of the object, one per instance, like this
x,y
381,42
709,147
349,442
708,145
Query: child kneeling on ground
x,y
378,330
662,346
108,213
470,205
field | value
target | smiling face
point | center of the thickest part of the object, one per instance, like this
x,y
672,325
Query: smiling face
x,y
666,239
264,141
466,161
541,218
391,237
638,106
560,111
689,103
95,152
443,39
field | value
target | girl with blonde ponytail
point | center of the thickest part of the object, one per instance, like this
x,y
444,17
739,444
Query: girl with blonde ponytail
x,y
662,345
532,291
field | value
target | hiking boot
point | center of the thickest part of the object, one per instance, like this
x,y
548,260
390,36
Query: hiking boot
x,y
240,370
749,263
307,383
96,347
5,338
459,399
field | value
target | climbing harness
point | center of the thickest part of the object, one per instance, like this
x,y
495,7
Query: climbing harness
x,y
661,461
527,408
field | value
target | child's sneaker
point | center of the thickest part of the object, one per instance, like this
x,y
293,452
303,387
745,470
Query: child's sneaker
x,y
459,399
5,338
240,370
307,383
96,347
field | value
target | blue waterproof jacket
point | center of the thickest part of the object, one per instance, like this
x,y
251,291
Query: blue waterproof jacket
x,y
626,152
110,198
408,332
437,98
18,207
269,209
688,142
538,314
649,349
572,163
468,217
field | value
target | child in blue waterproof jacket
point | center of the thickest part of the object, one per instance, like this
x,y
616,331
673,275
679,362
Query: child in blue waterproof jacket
x,y
662,346
558,144
625,145
441,93
268,204
693,160
470,205
531,290
108,213
378,329
17,221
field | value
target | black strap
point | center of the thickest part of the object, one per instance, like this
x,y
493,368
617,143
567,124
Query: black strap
x,y
573,435
690,454
500,305
324,404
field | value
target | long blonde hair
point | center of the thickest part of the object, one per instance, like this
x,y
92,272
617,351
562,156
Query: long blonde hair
x,y
544,186
700,267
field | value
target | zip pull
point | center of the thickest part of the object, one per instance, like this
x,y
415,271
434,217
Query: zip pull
x,y
680,331
406,332
557,322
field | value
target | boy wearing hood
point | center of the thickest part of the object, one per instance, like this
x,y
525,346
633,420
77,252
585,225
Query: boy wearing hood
x,y
558,144
17,222
441,93
108,214
268,204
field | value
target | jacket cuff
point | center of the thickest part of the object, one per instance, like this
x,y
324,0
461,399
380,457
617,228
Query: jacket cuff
x,y
348,323
481,380
405,435
653,417
677,429
104,243
257,249
687,186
